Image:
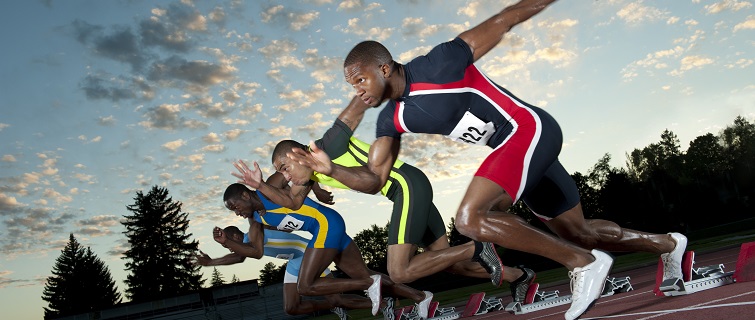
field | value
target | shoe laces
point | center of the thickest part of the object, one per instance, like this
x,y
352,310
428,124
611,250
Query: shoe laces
x,y
577,281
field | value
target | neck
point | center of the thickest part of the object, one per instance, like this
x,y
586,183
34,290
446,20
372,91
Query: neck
x,y
397,82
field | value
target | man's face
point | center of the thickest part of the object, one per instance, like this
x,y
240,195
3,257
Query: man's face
x,y
241,207
369,81
292,170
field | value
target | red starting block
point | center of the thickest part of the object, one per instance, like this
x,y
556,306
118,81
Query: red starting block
x,y
473,304
745,263
432,308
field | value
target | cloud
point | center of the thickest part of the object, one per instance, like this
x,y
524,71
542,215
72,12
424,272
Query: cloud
x,y
748,24
350,5
470,10
724,5
164,116
636,13
233,134
195,75
215,148
8,158
121,45
3,126
104,86
108,121
167,28
280,131
211,137
174,145
8,203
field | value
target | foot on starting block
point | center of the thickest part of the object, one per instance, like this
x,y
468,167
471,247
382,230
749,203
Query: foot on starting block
x,y
694,279
547,299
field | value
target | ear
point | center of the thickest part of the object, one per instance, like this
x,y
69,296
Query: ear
x,y
385,70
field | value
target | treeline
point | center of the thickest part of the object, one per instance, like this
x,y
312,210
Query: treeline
x,y
662,189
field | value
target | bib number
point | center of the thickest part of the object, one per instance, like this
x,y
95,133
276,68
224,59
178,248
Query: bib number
x,y
472,130
289,223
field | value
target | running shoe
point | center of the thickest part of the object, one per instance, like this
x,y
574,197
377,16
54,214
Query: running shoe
x,y
672,261
374,293
340,312
488,259
587,284
520,286
387,310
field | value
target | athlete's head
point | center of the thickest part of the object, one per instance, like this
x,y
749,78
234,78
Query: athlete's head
x,y
239,199
367,68
232,232
291,170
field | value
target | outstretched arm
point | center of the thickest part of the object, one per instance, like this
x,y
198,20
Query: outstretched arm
x,y
485,36
203,259
275,188
369,179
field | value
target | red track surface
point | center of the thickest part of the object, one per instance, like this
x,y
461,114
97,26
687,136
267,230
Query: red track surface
x,y
734,301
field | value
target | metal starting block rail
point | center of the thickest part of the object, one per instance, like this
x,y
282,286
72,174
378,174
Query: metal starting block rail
x,y
694,279
548,299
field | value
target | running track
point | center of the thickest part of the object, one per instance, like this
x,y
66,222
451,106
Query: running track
x,y
731,302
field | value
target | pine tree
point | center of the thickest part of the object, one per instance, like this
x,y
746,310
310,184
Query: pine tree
x,y
270,274
158,260
80,283
234,279
217,278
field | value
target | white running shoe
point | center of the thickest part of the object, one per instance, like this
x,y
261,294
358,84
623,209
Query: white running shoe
x,y
341,313
672,261
374,293
423,307
587,284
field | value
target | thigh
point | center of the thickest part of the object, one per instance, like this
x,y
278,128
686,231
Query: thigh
x,y
555,194
350,261
314,263
415,219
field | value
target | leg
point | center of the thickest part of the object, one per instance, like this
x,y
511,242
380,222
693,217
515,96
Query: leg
x,y
471,268
293,304
475,220
350,261
314,263
607,235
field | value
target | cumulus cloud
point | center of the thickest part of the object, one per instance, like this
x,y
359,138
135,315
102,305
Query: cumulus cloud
x,y
174,145
748,24
8,158
233,134
636,13
724,5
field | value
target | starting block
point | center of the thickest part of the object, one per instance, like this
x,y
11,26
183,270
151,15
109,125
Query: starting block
x,y
476,305
693,279
745,270
541,300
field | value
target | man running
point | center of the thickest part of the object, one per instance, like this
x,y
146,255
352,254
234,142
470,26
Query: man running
x,y
329,243
444,93
282,245
415,221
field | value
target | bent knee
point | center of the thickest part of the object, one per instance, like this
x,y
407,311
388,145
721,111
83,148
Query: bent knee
x,y
400,275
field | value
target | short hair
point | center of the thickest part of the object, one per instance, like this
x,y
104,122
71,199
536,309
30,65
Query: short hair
x,y
231,230
285,146
234,191
369,52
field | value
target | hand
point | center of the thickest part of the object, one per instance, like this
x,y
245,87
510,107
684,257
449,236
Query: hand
x,y
201,259
323,195
316,159
249,177
219,236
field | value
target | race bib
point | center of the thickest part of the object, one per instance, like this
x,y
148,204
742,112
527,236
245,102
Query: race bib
x,y
289,223
285,256
472,130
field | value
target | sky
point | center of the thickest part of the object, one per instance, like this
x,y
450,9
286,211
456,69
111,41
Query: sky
x,y
101,99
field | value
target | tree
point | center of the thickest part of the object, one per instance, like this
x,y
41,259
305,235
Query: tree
x,y
158,260
373,243
217,278
271,274
80,283
234,279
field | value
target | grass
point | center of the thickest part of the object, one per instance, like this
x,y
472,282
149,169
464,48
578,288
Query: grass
x,y
701,241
